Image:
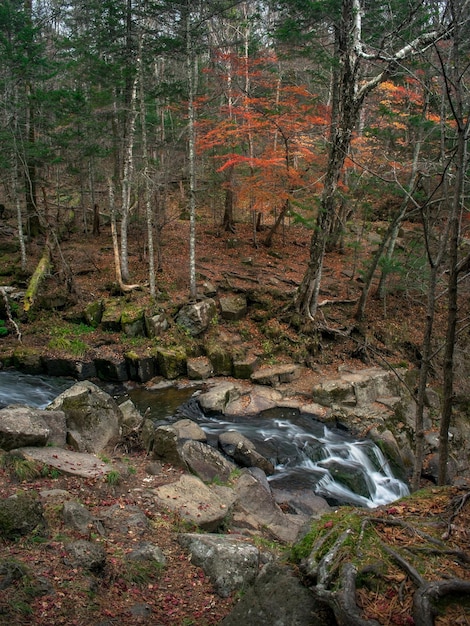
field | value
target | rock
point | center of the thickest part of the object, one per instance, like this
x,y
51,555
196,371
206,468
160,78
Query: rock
x,y
125,519
230,562
87,554
301,501
132,321
233,307
66,461
93,313
206,462
260,399
220,356
243,451
20,515
28,360
171,363
22,426
76,516
352,478
149,552
276,375
131,417
254,502
92,413
165,445
206,507
156,325
140,368
199,368
111,316
244,368
64,367
196,318
278,598
113,368
187,429
216,399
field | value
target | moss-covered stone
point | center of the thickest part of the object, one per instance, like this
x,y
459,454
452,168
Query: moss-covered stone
x,y
220,357
93,313
28,360
20,514
171,362
133,322
111,318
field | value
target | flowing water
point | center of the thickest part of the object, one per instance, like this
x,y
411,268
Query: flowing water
x,y
306,454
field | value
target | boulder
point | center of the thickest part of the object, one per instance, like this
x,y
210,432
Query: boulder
x,y
260,399
206,462
257,506
111,316
187,429
243,451
244,368
131,417
132,321
217,397
87,554
140,368
278,598
112,368
230,562
92,413
77,516
199,368
93,313
147,552
24,426
233,307
196,317
171,363
276,375
20,515
201,505
156,325
165,445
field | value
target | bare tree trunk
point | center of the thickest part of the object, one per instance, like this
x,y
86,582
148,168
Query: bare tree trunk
x,y
145,173
190,70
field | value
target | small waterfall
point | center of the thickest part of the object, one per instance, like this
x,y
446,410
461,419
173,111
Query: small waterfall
x,y
305,453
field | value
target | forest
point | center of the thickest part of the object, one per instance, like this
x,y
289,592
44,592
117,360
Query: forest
x,y
312,154
329,115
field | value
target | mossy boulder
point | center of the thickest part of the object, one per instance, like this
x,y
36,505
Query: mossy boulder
x,y
111,318
133,321
93,313
220,357
28,360
171,362
20,515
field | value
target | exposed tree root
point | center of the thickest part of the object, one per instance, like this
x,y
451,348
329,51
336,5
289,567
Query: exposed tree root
x,y
335,574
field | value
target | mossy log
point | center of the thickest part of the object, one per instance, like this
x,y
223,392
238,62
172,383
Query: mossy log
x,y
41,271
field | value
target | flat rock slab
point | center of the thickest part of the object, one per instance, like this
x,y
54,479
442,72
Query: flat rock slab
x,y
197,503
76,463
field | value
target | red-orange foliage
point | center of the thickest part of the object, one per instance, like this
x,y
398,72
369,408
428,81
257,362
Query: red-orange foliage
x,y
272,138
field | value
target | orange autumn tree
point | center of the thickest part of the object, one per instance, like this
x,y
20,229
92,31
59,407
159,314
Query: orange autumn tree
x,y
268,142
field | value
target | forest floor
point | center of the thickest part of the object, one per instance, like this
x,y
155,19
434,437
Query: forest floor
x,y
182,596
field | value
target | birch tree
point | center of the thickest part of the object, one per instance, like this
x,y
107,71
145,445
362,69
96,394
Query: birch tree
x,y
360,66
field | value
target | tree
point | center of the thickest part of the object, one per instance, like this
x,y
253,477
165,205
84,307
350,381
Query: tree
x,y
354,79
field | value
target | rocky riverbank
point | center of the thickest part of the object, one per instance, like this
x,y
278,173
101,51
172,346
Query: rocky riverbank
x,y
107,533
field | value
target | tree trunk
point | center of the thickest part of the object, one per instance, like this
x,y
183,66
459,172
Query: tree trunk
x,y
190,70
40,273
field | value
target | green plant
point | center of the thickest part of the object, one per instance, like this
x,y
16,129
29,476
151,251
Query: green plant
x,y
21,469
113,477
3,328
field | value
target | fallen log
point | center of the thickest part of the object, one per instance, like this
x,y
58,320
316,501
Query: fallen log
x,y
40,273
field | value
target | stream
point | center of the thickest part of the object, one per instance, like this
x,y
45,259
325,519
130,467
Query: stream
x,y
306,454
